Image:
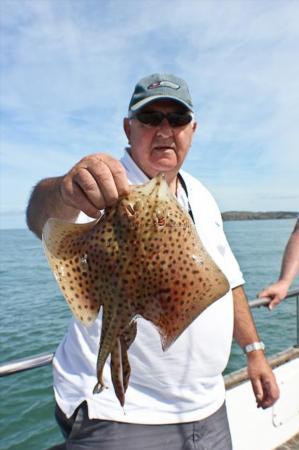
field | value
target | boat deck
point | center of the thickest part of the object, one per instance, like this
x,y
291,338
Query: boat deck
x,y
292,444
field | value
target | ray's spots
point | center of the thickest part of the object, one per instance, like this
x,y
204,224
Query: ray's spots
x,y
145,260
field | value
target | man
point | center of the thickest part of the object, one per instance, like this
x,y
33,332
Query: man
x,y
289,269
175,400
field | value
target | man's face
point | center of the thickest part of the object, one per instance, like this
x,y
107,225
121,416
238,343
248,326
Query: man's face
x,y
160,148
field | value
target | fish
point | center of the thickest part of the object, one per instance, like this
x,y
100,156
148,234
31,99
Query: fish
x,y
142,258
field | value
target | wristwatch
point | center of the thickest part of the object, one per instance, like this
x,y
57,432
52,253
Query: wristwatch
x,y
254,346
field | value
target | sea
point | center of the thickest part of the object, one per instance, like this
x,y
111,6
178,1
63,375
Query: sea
x,y
34,318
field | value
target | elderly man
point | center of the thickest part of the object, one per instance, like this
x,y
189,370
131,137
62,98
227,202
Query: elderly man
x,y
175,400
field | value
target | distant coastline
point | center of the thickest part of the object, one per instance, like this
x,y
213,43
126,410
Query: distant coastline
x,y
251,215
16,220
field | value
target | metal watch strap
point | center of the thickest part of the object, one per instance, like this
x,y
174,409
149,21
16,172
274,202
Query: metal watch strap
x,y
254,346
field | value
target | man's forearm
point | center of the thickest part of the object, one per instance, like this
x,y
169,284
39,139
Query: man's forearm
x,y
290,262
46,202
244,328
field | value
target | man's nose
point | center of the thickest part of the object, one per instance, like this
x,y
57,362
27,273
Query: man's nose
x,y
164,129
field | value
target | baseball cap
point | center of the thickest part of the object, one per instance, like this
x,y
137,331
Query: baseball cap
x,y
160,86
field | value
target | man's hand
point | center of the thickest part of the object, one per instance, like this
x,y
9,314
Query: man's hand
x,y
94,183
260,373
263,380
276,292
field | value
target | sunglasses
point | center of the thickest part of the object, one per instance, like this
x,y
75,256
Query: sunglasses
x,y
155,118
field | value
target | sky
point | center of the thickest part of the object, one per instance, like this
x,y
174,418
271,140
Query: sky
x,y
68,69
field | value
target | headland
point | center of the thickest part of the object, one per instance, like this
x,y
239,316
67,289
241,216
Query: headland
x,y
258,215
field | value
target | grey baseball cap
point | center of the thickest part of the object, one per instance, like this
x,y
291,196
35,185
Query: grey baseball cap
x,y
160,86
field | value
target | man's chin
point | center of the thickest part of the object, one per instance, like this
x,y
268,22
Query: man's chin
x,y
165,162
164,167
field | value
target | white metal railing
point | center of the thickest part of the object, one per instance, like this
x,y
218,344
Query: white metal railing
x,y
44,359
294,293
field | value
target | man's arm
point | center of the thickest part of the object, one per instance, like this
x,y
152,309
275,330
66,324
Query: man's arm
x,y
92,184
289,269
260,373
46,201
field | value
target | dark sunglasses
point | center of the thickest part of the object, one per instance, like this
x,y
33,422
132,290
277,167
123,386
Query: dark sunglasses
x,y
155,118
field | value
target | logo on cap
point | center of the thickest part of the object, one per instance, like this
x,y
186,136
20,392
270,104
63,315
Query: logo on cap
x,y
164,83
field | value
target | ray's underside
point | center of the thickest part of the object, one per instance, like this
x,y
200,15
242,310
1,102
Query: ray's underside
x,y
143,257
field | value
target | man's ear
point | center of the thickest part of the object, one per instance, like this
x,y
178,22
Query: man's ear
x,y
194,126
127,128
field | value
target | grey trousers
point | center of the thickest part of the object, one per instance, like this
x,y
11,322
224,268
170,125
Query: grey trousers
x,y
83,433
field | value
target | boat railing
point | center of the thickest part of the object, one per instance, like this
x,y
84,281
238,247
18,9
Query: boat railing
x,y
9,368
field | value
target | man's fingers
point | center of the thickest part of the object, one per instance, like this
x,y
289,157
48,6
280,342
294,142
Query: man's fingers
x,y
89,187
94,183
273,295
263,380
258,391
276,292
81,202
120,177
270,393
264,293
104,178
266,391
268,292
274,302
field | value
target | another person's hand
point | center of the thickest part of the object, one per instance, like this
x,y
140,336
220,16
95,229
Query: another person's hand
x,y
276,292
94,183
263,380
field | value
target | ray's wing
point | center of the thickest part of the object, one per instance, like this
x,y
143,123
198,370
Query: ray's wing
x,y
179,283
68,248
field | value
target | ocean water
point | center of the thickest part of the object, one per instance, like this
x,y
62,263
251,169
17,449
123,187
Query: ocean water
x,y
34,318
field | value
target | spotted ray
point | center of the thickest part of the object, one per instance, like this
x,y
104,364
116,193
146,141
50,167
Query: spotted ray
x,y
143,257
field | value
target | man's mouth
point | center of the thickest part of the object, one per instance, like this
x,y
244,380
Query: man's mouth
x,y
163,147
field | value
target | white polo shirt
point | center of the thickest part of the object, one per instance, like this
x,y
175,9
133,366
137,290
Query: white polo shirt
x,y
184,383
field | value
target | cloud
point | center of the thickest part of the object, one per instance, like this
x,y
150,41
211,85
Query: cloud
x,y
68,69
